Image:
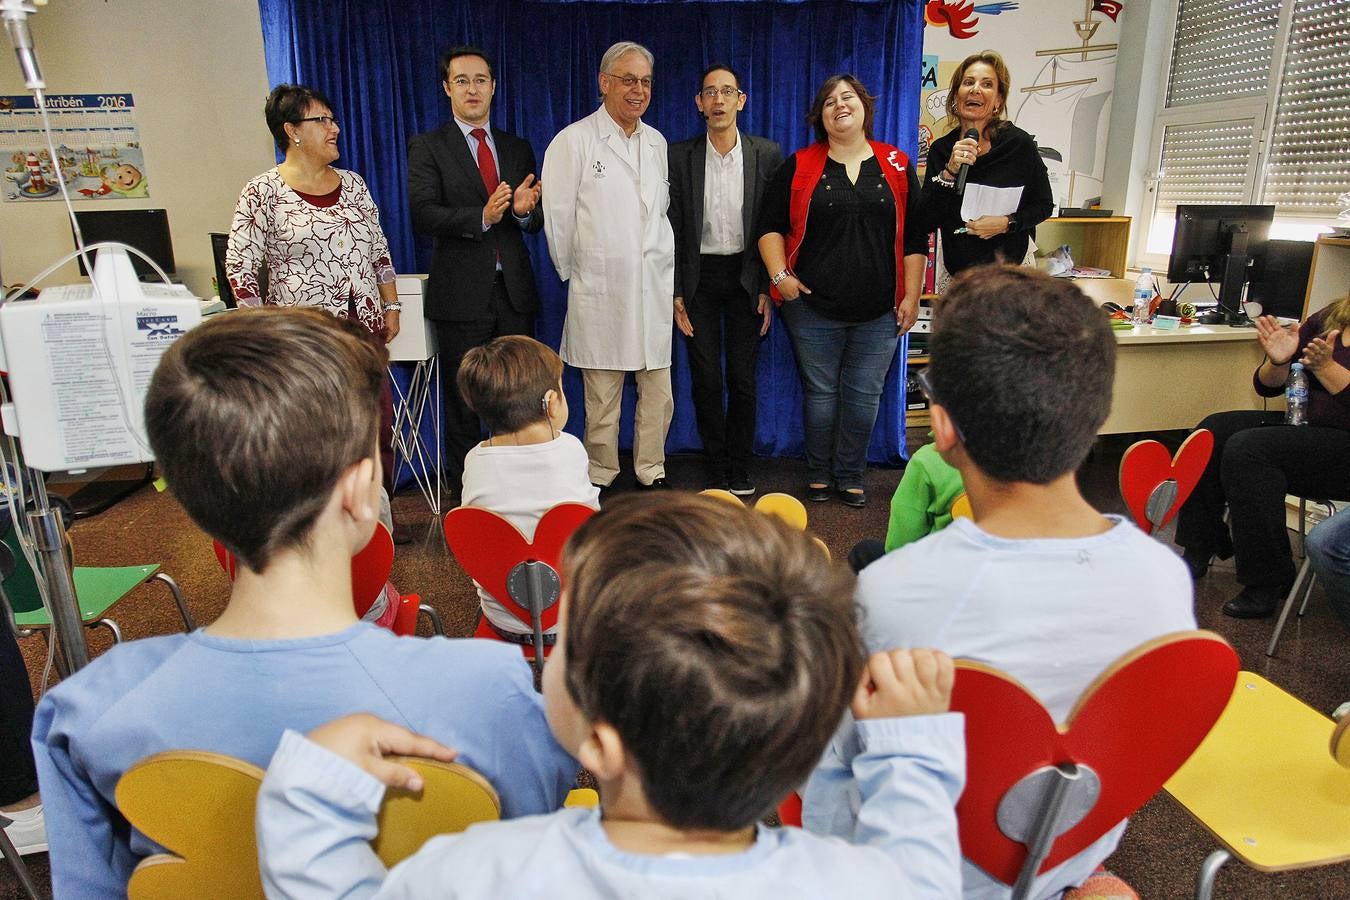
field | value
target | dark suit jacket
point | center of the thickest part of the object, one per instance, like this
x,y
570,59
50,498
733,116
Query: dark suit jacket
x,y
446,196
760,158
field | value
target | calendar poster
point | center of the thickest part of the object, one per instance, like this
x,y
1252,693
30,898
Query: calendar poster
x,y
97,146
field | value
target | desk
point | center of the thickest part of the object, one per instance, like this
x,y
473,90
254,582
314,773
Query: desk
x,y
1167,379
1173,379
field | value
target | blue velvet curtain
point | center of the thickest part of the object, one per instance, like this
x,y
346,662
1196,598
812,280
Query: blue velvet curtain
x,y
376,60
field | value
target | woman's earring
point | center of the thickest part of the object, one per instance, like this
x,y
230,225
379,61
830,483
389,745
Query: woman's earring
x,y
297,142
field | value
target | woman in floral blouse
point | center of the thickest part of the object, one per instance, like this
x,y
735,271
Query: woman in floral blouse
x,y
316,230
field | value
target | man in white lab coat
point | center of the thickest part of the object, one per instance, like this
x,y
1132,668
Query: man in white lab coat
x,y
605,200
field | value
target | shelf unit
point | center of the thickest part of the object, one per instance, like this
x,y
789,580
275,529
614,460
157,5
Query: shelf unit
x,y
1099,241
918,418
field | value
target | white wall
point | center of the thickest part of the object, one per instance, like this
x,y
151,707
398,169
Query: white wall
x,y
198,78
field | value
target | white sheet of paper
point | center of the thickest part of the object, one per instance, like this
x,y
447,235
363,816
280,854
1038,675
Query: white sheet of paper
x,y
983,200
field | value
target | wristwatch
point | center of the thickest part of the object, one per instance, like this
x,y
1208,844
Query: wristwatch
x,y
779,277
1012,222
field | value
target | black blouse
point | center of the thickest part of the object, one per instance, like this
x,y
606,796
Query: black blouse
x,y
847,256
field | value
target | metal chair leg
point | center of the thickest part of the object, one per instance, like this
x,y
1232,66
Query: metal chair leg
x,y
1204,884
1304,572
189,623
11,853
111,626
1307,593
430,612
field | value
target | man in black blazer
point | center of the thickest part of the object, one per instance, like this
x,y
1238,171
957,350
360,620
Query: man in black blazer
x,y
481,285
716,182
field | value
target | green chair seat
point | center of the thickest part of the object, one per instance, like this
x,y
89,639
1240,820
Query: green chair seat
x,y
97,588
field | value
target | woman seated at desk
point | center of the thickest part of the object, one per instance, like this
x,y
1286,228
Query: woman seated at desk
x,y
1258,460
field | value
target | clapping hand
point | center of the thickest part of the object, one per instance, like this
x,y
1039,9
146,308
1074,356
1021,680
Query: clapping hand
x,y
1318,352
1280,343
496,205
366,740
905,683
526,196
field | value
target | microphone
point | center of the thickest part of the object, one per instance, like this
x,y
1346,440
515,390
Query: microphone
x,y
15,14
973,135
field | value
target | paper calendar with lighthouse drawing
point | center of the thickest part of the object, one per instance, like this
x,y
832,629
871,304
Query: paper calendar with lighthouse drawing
x,y
98,148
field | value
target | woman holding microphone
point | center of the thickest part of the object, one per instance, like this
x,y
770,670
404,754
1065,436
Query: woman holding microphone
x,y
999,155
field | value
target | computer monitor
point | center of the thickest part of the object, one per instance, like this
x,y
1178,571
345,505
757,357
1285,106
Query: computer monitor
x,y
145,229
1224,245
219,244
1282,290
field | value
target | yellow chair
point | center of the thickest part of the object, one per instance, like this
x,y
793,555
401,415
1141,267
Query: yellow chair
x,y
1262,784
784,506
200,806
961,508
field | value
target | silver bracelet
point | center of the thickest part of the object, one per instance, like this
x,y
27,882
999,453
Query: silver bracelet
x,y
395,306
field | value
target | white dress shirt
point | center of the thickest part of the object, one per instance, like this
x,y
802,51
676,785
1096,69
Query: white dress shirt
x,y
723,198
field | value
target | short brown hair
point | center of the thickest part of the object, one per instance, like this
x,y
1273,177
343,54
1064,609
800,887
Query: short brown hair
x,y
815,118
1023,363
255,414
505,380
720,643
1001,75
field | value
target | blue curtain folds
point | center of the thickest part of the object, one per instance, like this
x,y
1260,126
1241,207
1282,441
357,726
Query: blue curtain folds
x,y
376,60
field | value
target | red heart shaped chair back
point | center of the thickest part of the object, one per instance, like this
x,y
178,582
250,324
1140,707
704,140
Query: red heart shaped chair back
x,y
370,567
1134,726
1146,465
488,547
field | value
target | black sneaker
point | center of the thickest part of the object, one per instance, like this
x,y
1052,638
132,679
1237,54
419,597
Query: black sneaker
x,y
1197,562
742,486
658,484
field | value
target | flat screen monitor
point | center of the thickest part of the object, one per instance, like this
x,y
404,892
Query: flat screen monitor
x,y
1282,288
1224,245
145,229
219,244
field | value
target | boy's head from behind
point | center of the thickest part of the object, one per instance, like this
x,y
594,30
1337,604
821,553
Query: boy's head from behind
x,y
507,382
1022,363
718,643
256,414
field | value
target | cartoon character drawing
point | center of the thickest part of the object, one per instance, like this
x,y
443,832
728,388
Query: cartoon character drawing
x,y
126,179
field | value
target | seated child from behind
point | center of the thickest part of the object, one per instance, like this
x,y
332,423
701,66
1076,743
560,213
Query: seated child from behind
x,y
529,464
264,422
1039,584
705,654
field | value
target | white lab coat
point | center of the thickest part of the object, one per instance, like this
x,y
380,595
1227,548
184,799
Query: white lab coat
x,y
610,240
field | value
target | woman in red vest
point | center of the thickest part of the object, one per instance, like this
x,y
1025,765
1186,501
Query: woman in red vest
x,y
848,285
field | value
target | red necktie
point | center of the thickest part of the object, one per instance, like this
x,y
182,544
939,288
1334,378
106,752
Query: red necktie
x,y
487,166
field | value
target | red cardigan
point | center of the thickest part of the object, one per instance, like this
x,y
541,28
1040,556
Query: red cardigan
x,y
810,166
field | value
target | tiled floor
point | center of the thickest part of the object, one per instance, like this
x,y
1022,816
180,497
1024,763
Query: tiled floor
x,y
1162,848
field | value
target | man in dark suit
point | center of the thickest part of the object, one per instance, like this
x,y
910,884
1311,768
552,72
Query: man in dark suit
x,y
716,183
473,188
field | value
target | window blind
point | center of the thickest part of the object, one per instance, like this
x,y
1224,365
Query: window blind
x,y
1223,50
1205,163
1310,145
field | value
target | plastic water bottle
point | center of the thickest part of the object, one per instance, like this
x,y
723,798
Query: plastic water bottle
x,y
1296,396
1143,295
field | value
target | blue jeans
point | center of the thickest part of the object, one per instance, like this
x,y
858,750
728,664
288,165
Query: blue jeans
x,y
1328,546
843,367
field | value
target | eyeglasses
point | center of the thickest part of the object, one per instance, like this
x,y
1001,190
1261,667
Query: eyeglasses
x,y
325,121
728,93
632,81
925,383
479,81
